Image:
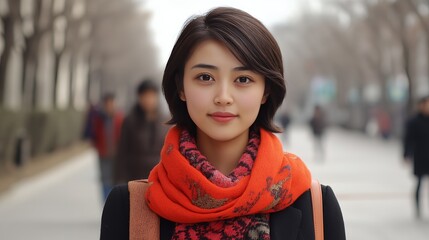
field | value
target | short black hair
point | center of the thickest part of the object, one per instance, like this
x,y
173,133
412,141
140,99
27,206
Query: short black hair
x,y
147,85
250,42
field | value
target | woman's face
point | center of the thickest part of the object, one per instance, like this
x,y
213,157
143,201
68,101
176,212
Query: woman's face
x,y
223,97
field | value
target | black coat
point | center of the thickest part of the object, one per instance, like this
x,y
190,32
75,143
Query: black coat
x,y
416,143
318,125
292,223
139,148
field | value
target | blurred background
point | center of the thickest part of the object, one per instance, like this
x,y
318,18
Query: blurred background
x,y
364,63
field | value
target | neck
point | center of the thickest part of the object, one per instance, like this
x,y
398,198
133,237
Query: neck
x,y
223,155
151,116
148,115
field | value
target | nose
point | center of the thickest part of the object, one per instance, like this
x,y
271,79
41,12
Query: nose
x,y
223,96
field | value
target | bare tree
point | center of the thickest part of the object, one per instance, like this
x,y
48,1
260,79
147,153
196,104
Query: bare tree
x,y
122,51
9,20
403,34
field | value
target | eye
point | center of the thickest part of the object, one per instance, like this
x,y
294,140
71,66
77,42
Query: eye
x,y
243,80
205,77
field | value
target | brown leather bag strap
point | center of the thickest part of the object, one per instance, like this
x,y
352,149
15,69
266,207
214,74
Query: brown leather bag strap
x,y
317,202
144,224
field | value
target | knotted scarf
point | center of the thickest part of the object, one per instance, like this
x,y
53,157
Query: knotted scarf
x,y
254,226
183,194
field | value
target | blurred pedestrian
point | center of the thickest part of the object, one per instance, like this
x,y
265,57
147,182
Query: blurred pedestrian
x,y
284,120
384,123
106,126
318,125
416,145
142,136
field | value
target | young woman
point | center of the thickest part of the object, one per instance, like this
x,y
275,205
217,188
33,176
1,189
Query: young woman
x,y
223,174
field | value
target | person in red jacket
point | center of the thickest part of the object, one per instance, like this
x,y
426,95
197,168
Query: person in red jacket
x,y
106,126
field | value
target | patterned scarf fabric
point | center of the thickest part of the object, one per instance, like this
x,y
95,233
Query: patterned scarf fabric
x,y
243,227
186,189
189,149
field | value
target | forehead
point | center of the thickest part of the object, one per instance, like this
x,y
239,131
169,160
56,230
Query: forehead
x,y
214,53
148,92
109,102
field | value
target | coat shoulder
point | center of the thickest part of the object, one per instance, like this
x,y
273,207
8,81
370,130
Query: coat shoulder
x,y
296,221
116,214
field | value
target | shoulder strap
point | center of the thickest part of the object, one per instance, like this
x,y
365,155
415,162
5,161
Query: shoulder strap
x,y
144,224
317,202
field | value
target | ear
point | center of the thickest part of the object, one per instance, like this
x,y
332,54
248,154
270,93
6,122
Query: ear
x,y
182,96
264,98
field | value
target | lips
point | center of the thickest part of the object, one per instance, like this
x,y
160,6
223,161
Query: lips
x,y
222,117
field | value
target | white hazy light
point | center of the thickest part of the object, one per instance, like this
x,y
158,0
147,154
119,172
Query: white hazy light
x,y
168,17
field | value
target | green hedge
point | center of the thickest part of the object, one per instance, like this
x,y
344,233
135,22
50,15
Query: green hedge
x,y
45,131
11,125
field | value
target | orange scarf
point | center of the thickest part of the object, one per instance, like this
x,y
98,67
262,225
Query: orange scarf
x,y
182,194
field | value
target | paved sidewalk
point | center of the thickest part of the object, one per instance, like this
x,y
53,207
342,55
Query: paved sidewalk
x,y
374,187
62,203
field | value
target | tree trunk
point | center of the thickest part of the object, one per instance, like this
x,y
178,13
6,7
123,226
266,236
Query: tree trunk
x,y
89,81
30,70
34,86
30,60
55,80
71,79
408,73
8,24
399,9
425,27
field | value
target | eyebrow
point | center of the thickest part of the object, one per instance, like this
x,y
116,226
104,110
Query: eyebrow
x,y
208,66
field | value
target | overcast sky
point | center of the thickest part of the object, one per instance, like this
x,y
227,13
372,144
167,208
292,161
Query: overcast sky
x,y
169,15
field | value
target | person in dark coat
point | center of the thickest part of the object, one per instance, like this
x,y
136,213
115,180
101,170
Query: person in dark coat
x,y
318,125
142,136
416,149
284,119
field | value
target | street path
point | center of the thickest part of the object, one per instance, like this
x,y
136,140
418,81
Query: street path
x,y
373,186
63,203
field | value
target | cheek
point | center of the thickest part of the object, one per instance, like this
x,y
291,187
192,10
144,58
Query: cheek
x,y
197,101
251,109
250,103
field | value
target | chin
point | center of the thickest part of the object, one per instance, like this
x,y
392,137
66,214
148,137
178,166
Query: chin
x,y
225,134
